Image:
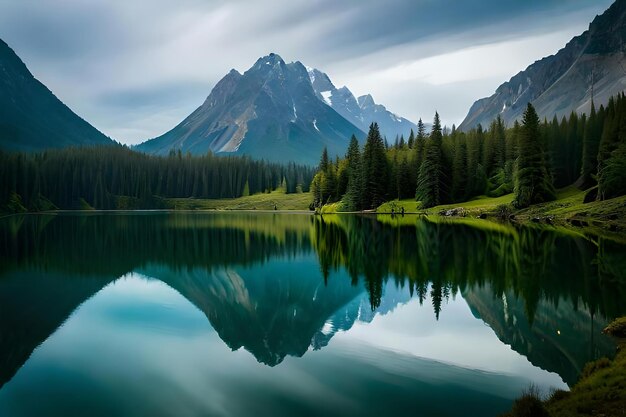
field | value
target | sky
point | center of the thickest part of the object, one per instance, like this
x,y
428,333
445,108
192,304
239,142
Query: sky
x,y
135,69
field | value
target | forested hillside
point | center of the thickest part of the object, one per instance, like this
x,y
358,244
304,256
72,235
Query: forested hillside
x,y
111,177
531,159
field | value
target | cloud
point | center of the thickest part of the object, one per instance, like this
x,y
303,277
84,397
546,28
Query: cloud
x,y
452,81
135,69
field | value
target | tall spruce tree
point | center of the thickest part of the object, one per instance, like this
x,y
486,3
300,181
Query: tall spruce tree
x,y
429,182
353,200
613,137
411,141
420,141
374,169
532,180
591,142
459,169
476,178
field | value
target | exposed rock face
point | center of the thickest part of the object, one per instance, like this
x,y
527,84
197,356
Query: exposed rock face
x,y
561,83
362,111
269,112
279,112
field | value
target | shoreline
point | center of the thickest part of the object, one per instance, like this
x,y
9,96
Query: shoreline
x,y
568,212
599,391
595,226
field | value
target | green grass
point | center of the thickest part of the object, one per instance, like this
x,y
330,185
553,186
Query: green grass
x,y
474,206
399,221
606,218
567,214
569,204
601,390
263,201
332,208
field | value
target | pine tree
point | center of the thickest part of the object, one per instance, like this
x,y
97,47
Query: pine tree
x,y
459,169
573,148
499,143
403,179
420,141
374,169
401,143
353,200
512,141
411,141
613,138
532,183
591,142
476,177
324,161
613,178
418,149
246,189
429,182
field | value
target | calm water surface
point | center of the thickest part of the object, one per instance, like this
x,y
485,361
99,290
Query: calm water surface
x,y
241,314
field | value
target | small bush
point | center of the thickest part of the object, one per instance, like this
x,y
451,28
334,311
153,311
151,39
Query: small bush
x,y
504,211
595,366
529,405
559,395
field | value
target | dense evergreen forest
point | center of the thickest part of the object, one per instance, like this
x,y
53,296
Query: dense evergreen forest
x,y
531,159
110,177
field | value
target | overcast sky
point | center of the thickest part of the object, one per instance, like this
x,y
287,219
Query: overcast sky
x,y
134,69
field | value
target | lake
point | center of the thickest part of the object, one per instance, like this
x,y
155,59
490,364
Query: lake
x,y
273,314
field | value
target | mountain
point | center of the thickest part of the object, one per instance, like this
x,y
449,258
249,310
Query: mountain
x,y
279,112
272,318
31,117
269,112
562,83
360,112
52,298
539,341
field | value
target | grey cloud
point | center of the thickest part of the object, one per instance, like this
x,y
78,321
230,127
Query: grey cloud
x,y
162,96
122,63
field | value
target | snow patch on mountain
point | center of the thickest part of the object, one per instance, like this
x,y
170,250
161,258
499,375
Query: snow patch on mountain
x,y
326,95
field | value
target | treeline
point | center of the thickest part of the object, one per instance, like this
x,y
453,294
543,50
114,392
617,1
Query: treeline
x,y
531,159
98,176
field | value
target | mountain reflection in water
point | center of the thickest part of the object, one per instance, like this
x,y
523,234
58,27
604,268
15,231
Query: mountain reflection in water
x,y
281,285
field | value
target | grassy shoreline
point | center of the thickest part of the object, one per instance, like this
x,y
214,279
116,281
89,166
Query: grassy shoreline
x,y
607,218
568,211
601,390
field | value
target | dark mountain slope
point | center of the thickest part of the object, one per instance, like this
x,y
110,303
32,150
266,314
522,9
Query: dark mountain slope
x,y
31,117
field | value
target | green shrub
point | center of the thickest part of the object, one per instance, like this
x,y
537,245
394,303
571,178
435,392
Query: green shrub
x,y
503,211
529,405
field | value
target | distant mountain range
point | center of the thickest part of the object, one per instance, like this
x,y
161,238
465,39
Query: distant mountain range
x,y
288,112
279,112
31,117
361,111
562,83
